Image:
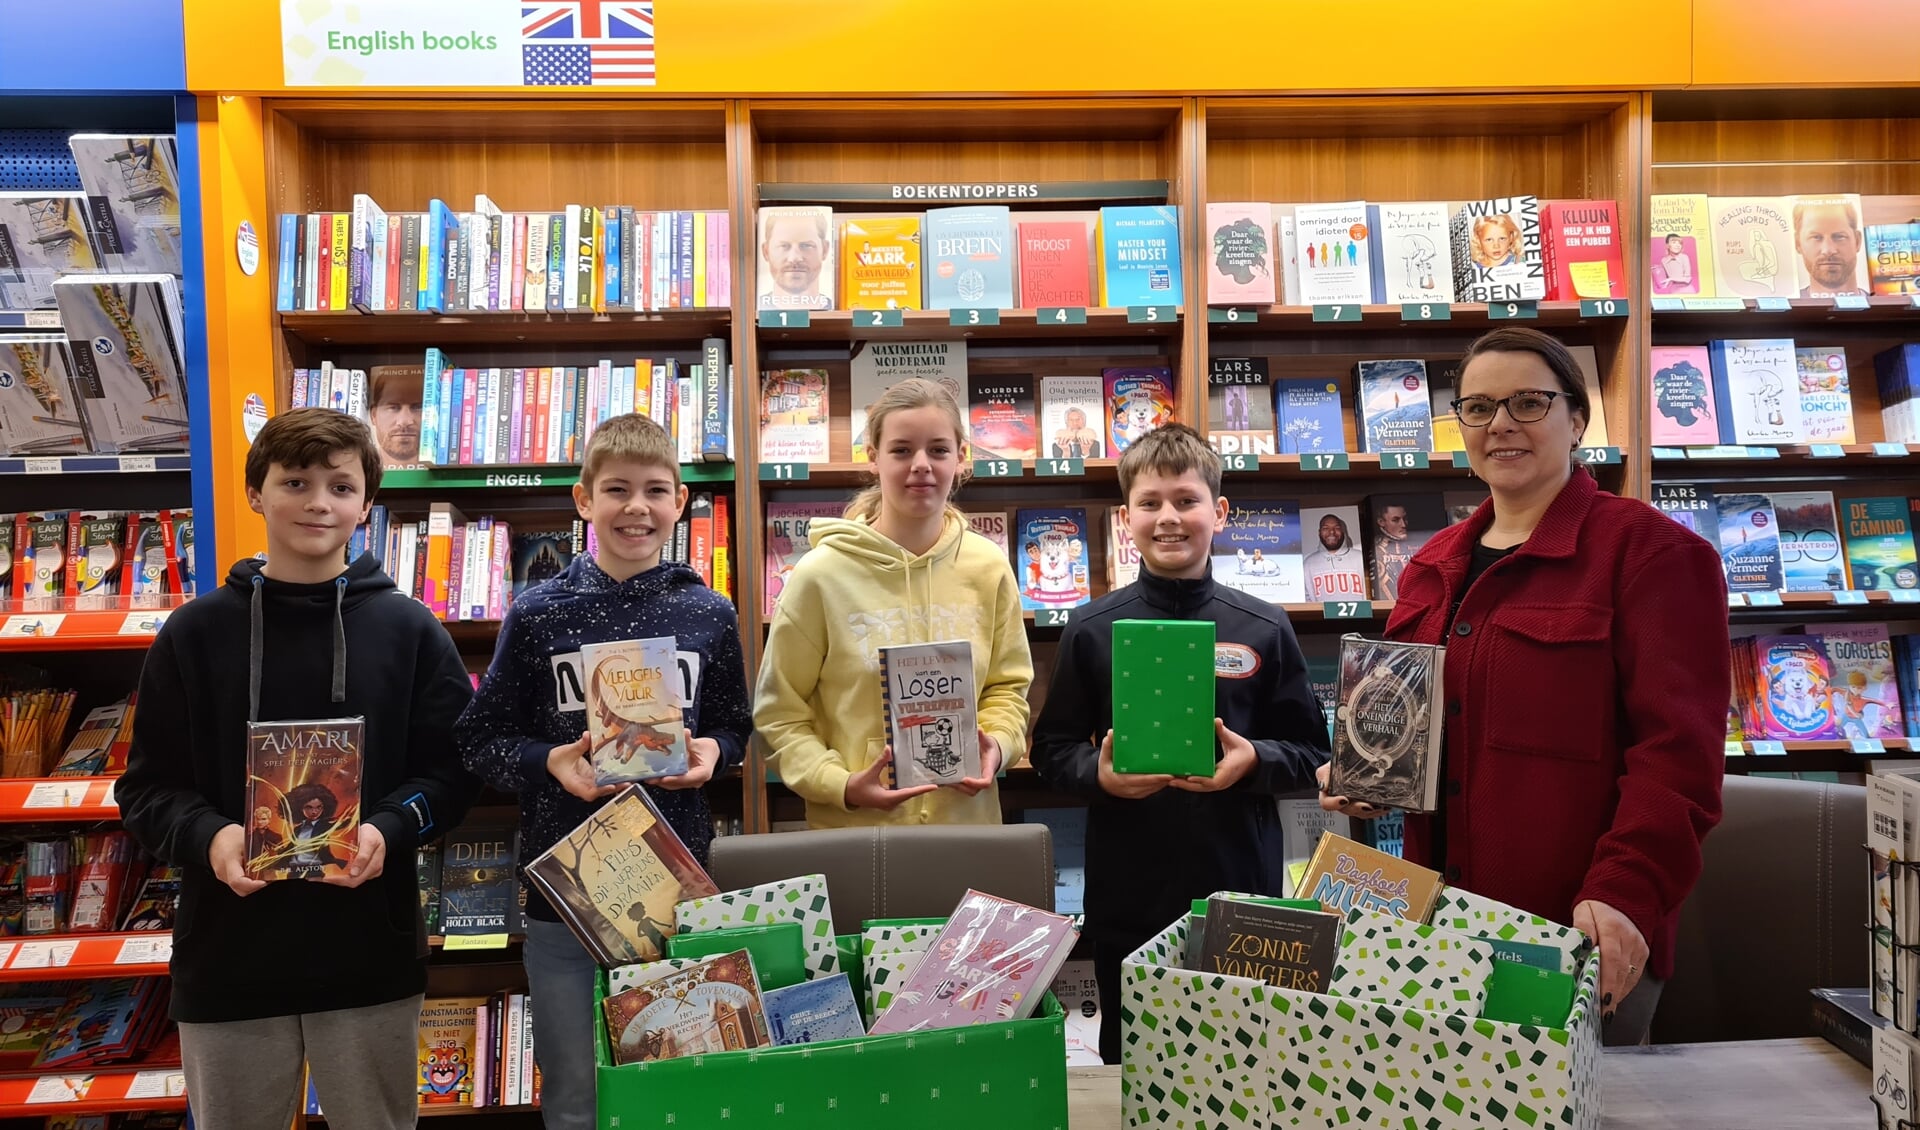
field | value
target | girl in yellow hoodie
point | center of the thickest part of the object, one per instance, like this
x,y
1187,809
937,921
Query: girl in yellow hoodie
x,y
901,567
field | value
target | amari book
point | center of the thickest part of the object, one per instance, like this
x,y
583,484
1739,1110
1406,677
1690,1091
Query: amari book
x,y
634,710
1051,559
1387,732
1138,401
1866,694
1750,543
1810,554
710,1007
1259,550
1240,409
1391,406
930,696
991,962
616,878
303,797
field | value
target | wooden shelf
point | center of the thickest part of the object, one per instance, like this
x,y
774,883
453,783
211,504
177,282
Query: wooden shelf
x,y
85,956
453,331
1807,315
937,325
102,1090
531,476
1471,316
1852,457
30,800
117,629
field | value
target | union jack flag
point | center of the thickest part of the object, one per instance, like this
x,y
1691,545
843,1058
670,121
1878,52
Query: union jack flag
x,y
587,43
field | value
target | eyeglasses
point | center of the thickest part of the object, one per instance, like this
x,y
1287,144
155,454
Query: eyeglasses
x,y
1524,407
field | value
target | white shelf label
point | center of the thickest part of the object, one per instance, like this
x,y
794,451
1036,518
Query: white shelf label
x,y
57,794
1850,596
144,623
154,950
6,953
1736,600
42,466
32,625
1763,600
1736,749
157,1085
60,1088
44,955
1769,749
136,463
1869,745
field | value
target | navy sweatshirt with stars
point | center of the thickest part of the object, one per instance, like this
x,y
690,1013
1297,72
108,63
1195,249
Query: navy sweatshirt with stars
x,y
532,696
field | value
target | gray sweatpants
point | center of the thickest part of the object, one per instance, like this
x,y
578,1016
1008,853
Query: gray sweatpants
x,y
245,1074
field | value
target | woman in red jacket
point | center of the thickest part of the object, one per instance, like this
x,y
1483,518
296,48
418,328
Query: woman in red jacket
x,y
1586,682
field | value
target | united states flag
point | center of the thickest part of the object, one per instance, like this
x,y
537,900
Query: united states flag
x,y
587,43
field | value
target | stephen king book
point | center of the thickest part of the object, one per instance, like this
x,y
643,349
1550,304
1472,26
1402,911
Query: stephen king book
x,y
634,712
1240,410
303,797
1387,733
929,696
1280,945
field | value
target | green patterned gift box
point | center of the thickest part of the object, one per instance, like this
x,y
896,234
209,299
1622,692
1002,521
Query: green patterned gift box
x,y
802,900
1464,912
1209,1052
888,953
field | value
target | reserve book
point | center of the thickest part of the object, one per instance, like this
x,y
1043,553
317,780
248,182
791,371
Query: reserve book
x,y
930,698
303,797
1387,732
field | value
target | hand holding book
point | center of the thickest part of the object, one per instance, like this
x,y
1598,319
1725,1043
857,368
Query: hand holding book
x,y
990,757
369,860
1356,808
1127,786
1236,761
573,768
703,754
227,855
868,788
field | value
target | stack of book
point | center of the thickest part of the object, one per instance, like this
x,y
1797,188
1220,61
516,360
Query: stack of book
x,y
125,219
1838,682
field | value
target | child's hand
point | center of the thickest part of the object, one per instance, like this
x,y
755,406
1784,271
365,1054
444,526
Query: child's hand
x,y
990,757
1127,786
1236,761
702,755
227,855
865,790
368,862
1356,808
570,766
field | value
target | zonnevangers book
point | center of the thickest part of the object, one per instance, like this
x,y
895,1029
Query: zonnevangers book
x,y
787,524
1051,558
1387,735
793,416
449,1052
1829,258
43,235
132,386
969,257
1749,543
711,1007
1002,417
1810,556
1163,696
1866,694
476,880
1756,382
1413,259
1496,251
303,797
1056,266
992,961
1583,255
1826,395
930,698
1258,552
1284,947
1401,525
1333,566
1682,246
1241,257
1138,401
1240,415
1335,253
1072,417
39,401
880,256
797,264
616,879
1343,875
1753,255
634,712
878,365
1684,411
1391,406
1880,548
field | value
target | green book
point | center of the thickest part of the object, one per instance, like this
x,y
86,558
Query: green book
x,y
1524,994
1526,953
1163,697
779,955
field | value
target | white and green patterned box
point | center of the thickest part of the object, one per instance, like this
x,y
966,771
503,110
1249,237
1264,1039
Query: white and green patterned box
x,y
1464,912
888,954
1210,1052
802,900
1389,960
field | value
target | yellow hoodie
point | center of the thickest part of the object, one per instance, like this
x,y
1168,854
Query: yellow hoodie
x,y
817,704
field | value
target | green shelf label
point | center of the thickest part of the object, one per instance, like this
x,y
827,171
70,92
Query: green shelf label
x,y
1603,307
1345,312
1719,451
878,319
1060,316
998,469
1460,461
1347,610
1052,617
1598,456
1242,461
1056,468
973,316
784,319
785,472
1507,311
1232,315
1404,460
1426,312
1153,314
1323,461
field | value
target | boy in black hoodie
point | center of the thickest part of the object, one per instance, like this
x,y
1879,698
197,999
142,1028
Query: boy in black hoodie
x,y
1154,842
328,972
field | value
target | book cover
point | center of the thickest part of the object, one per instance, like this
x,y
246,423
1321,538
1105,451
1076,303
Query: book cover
x,y
880,256
1756,383
449,1055
1284,947
1496,250
1343,875
992,525
1826,395
713,1006
1896,374
1749,543
1072,417
1240,406
969,257
1309,415
1829,246
1051,557
634,712
1443,388
877,365
1259,550
794,420
133,187
540,555
1596,434
1684,411
1387,735
1335,254
476,880
1402,524
43,235
616,879
787,542
1055,264
929,695
813,1012
1334,566
1866,693
1139,399
303,797
1797,687
1163,696
992,961
1681,246
1582,251
1002,417
1414,259
426,869
1810,556
129,328
1392,407
39,398
797,266
1140,256
1123,557
1286,245
1240,246
1753,255
1893,258
1879,539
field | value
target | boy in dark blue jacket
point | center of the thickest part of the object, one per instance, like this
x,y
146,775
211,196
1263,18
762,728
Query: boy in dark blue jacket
x,y
1155,843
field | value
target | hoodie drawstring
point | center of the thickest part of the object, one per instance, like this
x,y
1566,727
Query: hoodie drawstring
x,y
255,630
339,640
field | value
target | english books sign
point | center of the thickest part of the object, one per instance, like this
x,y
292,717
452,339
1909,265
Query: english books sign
x,y
467,43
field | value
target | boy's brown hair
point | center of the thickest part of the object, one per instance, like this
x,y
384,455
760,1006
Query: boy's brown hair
x,y
632,438
311,437
1171,450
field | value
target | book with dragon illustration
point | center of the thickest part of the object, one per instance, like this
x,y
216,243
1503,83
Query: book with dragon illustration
x,y
634,721
930,697
303,797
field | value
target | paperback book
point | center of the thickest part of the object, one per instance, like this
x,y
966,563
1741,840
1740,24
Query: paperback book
x,y
1055,264
1826,395
1692,505
634,710
813,1012
1123,557
1749,543
969,258
1681,246
1387,735
1402,525
477,888
992,525
1391,406
1336,253
1414,263
1282,946
1240,406
1866,693
797,259
713,1006
787,525
1756,381
449,1050
1829,258
878,365
1334,566
1139,262
1810,556
880,256
1582,251
794,419
1073,417
303,797
1880,547
1138,401
1241,254
1259,550
1796,700
1003,420
1163,697
991,962
1343,875
1309,416
929,696
1753,254
1497,255
1052,561
1684,411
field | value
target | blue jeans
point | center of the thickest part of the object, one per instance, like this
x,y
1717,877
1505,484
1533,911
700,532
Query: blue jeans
x,y
560,983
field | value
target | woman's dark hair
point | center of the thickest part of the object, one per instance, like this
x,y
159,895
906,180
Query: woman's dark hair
x,y
1516,339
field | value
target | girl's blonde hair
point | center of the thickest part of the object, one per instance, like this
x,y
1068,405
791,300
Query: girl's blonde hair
x,y
914,392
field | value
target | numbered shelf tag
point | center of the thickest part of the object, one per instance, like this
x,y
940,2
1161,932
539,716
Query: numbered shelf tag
x,y
1904,596
1869,745
1763,600
1240,462
1669,453
1736,749
1052,617
1669,305
784,319
1736,600
1460,461
1603,307
1232,316
878,319
1425,312
1850,596
1345,312
1769,749
1506,311
1713,305
785,472
1404,461
1059,468
1772,305
1599,456
1851,302
1323,461
1890,450
1720,451
1151,315
1347,610
1826,451
973,316
1060,316
998,469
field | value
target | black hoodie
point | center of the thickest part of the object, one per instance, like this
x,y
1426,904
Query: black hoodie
x,y
273,651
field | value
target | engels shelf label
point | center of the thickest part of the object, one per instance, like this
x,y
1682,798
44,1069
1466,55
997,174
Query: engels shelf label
x,y
977,192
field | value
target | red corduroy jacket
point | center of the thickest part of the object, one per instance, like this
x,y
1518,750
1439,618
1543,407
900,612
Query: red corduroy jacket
x,y
1587,678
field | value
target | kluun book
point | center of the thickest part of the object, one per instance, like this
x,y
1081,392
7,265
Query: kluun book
x,y
1682,246
796,255
991,962
1829,256
1391,406
1750,543
929,696
1692,505
1259,551
1138,401
1387,739
1826,395
1583,255
1050,557
39,406
793,416
1866,695
133,189
1333,566
1879,540
1163,700
1756,381
1684,410
880,261
616,879
43,235
1810,556
1139,263
126,333
878,365
1308,415
303,797
713,1006
1073,418
1285,947
1002,417
1413,254
1240,406
1336,253
1497,251
969,257
634,715
1241,261
1753,253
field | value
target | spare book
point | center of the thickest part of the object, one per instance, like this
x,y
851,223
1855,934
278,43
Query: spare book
x,y
616,878
634,721
1163,696
1387,735
928,693
991,962
1343,875
711,1007
303,797
1282,946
